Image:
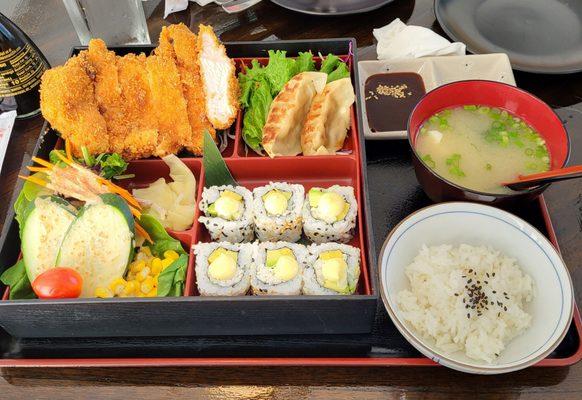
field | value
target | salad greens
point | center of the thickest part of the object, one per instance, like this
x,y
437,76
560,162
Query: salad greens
x,y
107,165
260,84
171,280
15,277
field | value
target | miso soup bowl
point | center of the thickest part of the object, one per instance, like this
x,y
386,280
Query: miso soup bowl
x,y
518,102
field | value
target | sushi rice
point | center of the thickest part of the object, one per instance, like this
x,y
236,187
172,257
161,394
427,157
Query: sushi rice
x,y
286,227
312,275
236,231
319,231
263,278
239,284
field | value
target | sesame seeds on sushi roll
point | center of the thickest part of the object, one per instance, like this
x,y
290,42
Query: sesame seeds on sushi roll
x,y
278,268
329,215
332,269
223,269
277,211
228,213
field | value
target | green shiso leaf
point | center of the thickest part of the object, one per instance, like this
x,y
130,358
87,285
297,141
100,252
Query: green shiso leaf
x,y
15,277
216,172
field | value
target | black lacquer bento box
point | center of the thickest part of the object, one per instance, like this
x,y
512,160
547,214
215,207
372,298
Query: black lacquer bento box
x,y
195,315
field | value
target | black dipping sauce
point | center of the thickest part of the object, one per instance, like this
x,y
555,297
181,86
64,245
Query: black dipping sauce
x,y
390,98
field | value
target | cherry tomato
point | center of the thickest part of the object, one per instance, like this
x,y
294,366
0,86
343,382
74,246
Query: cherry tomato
x,y
58,283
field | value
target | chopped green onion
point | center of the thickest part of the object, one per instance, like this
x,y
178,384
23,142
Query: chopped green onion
x,y
504,114
87,158
428,160
454,165
531,166
529,152
126,176
470,107
434,119
488,167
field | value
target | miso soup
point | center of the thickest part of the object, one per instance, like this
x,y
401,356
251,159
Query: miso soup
x,y
480,147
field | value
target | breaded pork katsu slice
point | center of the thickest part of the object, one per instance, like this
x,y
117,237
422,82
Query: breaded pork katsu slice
x,y
218,74
179,43
67,101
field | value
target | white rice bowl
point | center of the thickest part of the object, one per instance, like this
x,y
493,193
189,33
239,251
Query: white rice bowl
x,y
263,280
319,231
286,227
240,230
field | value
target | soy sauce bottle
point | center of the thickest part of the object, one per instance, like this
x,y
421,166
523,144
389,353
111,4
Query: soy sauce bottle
x,y
21,66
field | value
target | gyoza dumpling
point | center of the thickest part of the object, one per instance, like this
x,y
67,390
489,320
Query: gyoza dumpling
x,y
328,119
282,131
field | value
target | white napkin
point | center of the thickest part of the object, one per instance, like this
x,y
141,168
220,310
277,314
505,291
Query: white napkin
x,y
173,6
400,41
6,125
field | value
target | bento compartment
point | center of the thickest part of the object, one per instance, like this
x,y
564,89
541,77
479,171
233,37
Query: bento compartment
x,y
321,171
148,171
351,141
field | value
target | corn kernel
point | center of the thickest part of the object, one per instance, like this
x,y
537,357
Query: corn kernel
x,y
147,285
146,250
143,274
166,263
117,285
156,266
130,276
137,266
131,288
152,293
103,293
171,254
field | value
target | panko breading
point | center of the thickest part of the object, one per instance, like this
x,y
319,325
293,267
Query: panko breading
x,y
67,101
178,42
142,137
167,98
218,74
102,66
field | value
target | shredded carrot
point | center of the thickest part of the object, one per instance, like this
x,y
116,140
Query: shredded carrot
x,y
68,150
42,162
136,213
38,169
33,179
143,232
122,192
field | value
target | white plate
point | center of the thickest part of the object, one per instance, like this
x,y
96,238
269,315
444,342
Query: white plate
x,y
475,224
435,71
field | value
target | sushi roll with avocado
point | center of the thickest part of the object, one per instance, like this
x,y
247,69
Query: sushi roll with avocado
x,y
332,268
223,269
278,268
329,215
277,209
228,213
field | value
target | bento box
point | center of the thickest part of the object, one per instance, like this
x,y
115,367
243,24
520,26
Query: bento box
x,y
195,315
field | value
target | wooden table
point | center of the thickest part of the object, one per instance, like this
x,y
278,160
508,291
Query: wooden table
x,y
49,26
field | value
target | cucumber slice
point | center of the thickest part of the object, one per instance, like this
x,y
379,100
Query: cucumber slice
x,y
46,220
99,243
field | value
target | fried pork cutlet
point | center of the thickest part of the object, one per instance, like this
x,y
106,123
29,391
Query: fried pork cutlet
x,y
67,101
169,104
142,138
179,43
218,74
102,66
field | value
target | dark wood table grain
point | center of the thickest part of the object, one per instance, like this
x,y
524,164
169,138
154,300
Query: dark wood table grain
x,y
49,26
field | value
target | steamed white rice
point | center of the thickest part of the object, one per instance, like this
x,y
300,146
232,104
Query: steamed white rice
x,y
444,302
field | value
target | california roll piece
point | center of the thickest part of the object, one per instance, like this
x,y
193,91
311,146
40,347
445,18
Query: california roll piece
x,y
329,215
223,269
278,268
277,209
228,213
332,268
